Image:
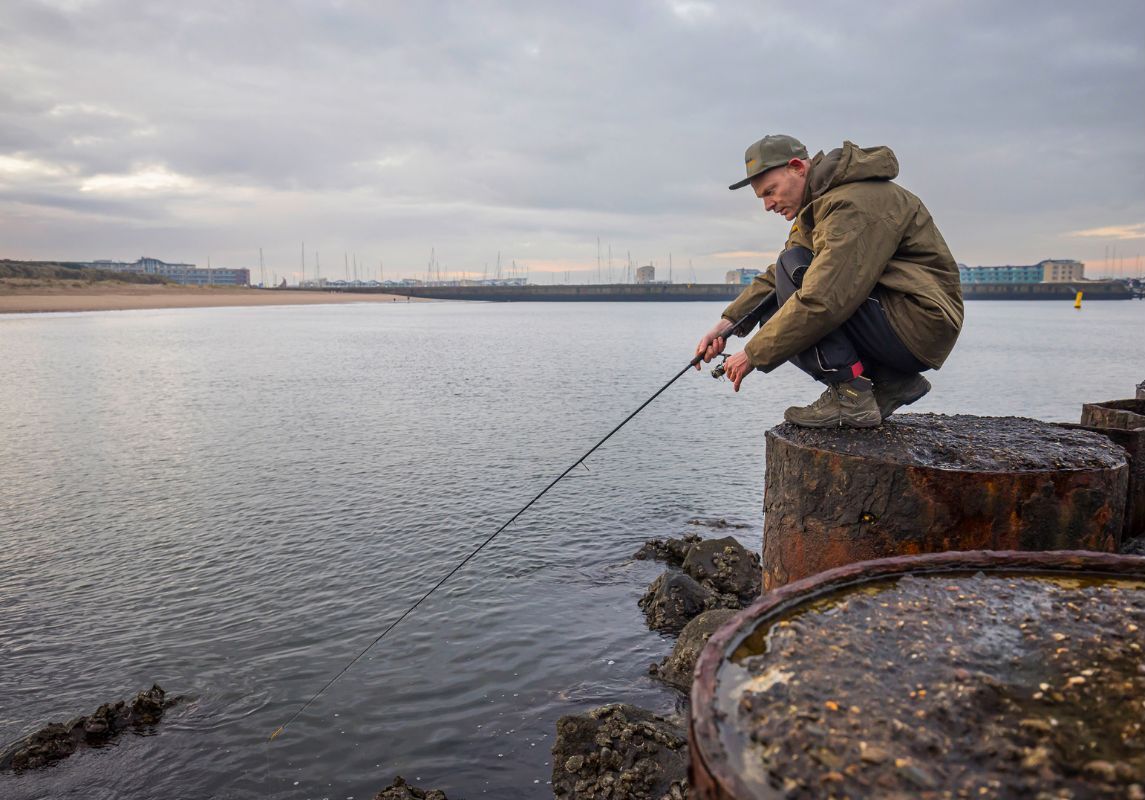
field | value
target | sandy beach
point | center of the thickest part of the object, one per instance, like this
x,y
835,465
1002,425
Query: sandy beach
x,y
25,299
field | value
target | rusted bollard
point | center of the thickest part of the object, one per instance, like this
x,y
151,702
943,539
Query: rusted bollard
x,y
1123,421
1126,415
928,483
918,675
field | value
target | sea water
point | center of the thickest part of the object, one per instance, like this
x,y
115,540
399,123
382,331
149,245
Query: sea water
x,y
233,503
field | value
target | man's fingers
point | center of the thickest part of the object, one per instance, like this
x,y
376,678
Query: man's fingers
x,y
704,350
737,369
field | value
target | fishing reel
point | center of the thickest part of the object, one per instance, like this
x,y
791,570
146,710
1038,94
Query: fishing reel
x,y
719,370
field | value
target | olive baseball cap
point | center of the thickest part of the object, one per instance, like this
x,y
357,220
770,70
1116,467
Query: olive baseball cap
x,y
768,152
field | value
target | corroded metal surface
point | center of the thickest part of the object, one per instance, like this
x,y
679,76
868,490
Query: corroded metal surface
x,y
709,771
1125,415
1123,421
925,483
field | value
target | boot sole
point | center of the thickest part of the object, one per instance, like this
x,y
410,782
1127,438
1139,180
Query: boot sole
x,y
872,423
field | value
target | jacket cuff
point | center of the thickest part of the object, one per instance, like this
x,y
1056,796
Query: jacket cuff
x,y
756,352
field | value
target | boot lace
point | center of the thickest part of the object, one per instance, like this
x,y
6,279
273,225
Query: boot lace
x,y
827,398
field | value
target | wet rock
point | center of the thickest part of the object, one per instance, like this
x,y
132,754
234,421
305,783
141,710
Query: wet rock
x,y
670,551
57,741
1133,547
1101,770
716,573
147,708
718,522
676,669
619,752
725,566
400,790
674,599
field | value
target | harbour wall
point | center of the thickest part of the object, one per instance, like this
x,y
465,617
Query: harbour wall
x,y
725,292
565,293
1091,290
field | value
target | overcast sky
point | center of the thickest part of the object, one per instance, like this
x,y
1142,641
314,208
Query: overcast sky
x,y
383,129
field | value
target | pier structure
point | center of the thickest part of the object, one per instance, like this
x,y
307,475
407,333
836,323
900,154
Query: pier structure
x,y
722,292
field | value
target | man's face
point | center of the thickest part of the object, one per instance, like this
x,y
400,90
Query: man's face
x,y
781,188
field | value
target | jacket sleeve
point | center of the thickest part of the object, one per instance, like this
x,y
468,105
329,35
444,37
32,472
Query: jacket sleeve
x,y
749,299
852,247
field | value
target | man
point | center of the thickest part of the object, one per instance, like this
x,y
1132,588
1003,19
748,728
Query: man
x,y
865,295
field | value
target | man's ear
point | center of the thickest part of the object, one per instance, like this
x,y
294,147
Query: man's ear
x,y
798,166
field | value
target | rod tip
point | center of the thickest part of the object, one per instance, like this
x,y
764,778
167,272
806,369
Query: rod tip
x,y
274,735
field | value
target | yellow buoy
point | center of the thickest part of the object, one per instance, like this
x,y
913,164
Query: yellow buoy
x,y
1077,302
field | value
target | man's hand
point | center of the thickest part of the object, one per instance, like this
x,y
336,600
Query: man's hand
x,y
714,341
736,367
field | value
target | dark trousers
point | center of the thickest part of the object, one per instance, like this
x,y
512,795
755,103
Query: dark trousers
x,y
863,345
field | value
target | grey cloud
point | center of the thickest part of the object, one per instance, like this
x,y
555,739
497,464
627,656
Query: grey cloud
x,y
457,122
107,209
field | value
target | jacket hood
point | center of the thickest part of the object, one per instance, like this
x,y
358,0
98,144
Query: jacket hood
x,y
848,164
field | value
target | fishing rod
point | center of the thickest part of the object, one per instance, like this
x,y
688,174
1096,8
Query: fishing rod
x,y
695,362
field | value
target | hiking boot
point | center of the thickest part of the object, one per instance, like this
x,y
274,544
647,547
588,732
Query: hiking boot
x,y
842,405
890,395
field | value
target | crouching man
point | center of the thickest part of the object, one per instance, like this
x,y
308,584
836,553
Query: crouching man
x,y
865,295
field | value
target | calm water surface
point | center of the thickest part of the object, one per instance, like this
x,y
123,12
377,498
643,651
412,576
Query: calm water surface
x,y
234,502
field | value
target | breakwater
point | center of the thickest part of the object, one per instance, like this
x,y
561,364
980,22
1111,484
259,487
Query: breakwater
x,y
725,292
1091,290
567,293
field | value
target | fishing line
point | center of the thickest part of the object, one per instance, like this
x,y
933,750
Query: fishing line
x,y
579,462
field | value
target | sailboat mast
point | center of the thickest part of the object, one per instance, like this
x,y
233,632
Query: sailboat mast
x,y
598,259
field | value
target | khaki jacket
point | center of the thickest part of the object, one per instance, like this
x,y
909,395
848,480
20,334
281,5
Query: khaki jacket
x,y
870,237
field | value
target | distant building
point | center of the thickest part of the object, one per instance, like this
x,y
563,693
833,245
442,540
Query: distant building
x,y
496,282
1062,271
1048,271
1006,274
646,274
741,276
187,274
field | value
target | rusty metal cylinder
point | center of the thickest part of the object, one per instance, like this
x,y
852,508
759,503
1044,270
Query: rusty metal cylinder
x,y
1126,415
728,762
929,483
1123,422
